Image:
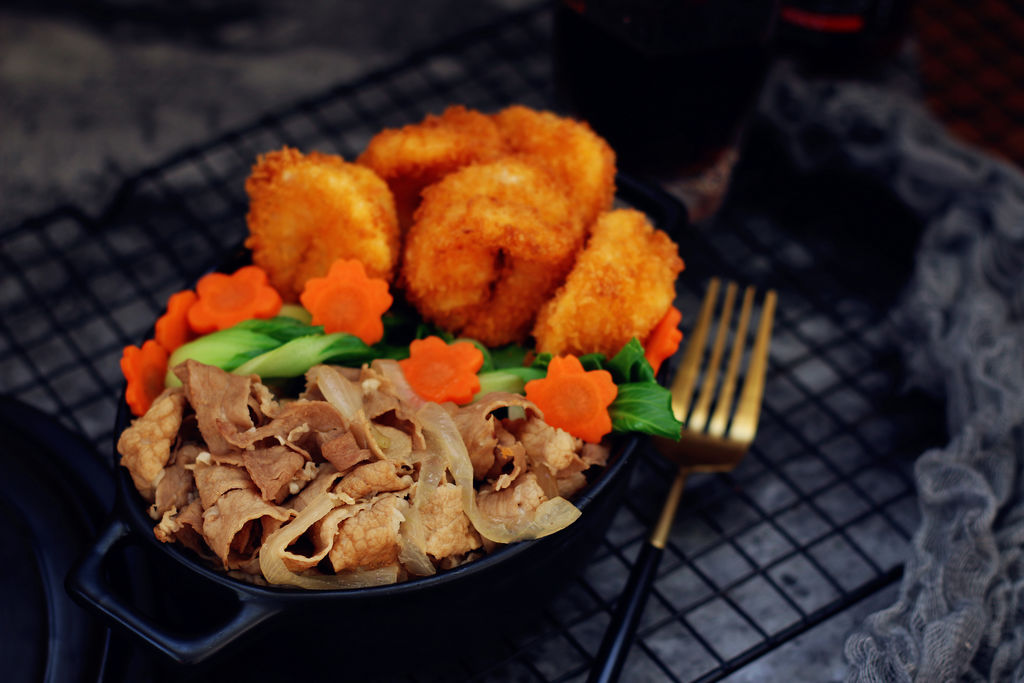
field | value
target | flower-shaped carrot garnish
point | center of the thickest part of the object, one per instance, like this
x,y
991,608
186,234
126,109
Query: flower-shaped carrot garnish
x,y
348,301
442,372
172,328
226,300
144,369
663,340
575,399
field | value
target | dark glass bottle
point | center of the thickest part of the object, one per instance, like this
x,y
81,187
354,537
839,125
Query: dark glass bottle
x,y
667,82
840,36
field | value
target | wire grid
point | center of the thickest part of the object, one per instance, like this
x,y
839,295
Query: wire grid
x,y
817,516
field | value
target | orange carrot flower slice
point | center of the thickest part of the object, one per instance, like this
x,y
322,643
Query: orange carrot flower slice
x,y
226,300
172,328
575,399
663,340
441,372
144,369
347,300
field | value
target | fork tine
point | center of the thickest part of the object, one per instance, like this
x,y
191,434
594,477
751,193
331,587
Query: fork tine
x,y
748,410
724,406
699,416
686,375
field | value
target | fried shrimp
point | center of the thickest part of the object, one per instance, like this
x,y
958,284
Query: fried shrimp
x,y
489,244
306,211
417,155
569,149
621,285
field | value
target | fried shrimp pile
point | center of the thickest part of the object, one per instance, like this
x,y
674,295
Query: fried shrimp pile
x,y
621,285
306,211
489,245
506,202
415,156
479,218
569,149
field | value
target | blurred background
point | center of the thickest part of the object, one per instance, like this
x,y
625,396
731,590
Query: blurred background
x,y
95,91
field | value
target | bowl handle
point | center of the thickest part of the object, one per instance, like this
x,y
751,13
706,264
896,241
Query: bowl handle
x,y
89,585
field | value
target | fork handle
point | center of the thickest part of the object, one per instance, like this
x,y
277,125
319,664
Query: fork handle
x,y
619,636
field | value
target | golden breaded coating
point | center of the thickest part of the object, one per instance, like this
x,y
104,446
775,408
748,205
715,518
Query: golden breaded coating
x,y
569,149
490,243
306,211
621,285
415,156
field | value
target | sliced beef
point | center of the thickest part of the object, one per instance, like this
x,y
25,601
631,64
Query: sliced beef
x,y
186,527
341,450
446,528
145,447
220,401
272,470
552,448
322,482
512,504
319,535
369,539
176,487
236,525
213,481
296,426
509,458
262,403
477,425
372,478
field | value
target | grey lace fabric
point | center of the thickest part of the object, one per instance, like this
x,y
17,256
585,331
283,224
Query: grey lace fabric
x,y
960,611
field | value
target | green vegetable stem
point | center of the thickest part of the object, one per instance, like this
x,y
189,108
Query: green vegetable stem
x,y
295,357
228,349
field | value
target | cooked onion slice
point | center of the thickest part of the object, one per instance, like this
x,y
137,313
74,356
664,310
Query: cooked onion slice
x,y
442,436
393,373
346,396
413,555
546,480
339,391
274,548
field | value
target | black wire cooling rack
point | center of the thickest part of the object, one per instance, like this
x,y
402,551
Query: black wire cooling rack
x,y
817,516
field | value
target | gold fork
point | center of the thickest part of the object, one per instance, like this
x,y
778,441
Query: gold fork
x,y
710,441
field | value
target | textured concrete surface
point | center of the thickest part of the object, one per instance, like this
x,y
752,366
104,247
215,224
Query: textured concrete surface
x,y
94,91
818,654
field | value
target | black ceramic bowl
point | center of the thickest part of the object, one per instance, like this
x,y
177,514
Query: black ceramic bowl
x,y
453,609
